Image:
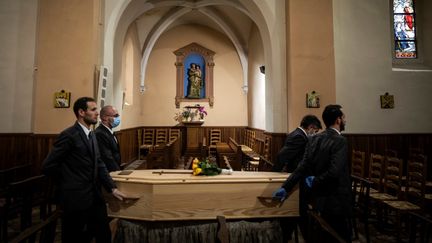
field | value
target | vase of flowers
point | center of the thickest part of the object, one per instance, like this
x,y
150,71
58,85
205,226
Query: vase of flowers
x,y
191,114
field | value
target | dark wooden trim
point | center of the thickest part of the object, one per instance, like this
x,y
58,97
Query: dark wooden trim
x,y
24,148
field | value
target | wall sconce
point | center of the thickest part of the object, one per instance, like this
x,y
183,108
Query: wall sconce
x,y
387,101
262,69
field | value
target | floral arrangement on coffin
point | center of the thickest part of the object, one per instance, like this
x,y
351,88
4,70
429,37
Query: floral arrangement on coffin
x,y
189,113
207,168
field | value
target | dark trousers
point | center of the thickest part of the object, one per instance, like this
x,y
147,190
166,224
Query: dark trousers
x,y
82,226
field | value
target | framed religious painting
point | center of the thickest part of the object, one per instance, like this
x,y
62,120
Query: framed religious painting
x,y
312,100
62,99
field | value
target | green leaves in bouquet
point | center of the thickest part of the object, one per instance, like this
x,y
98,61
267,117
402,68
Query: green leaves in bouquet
x,y
209,168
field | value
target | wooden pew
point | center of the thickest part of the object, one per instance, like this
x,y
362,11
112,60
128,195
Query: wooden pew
x,y
230,151
45,230
164,156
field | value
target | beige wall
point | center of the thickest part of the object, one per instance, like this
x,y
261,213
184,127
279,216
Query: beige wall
x,y
157,107
67,54
310,57
364,72
18,20
256,94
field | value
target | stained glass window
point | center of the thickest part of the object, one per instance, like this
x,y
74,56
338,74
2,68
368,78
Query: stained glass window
x,y
404,29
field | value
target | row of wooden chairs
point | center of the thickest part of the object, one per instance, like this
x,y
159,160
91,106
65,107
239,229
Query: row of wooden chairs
x,y
386,186
149,138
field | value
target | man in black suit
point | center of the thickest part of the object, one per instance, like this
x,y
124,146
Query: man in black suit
x,y
74,164
325,169
287,160
108,144
292,152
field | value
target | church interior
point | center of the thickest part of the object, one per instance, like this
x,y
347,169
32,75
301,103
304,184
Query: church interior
x,y
224,81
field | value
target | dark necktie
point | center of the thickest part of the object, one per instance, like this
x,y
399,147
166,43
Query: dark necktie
x,y
91,138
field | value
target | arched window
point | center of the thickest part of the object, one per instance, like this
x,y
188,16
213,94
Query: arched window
x,y
404,27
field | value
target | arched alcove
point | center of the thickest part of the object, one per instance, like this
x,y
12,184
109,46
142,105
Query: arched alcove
x,y
182,55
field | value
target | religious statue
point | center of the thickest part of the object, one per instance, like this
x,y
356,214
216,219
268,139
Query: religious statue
x,y
195,81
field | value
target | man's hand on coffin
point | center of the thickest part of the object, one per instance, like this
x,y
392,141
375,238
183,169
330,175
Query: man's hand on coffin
x,y
309,181
118,194
280,194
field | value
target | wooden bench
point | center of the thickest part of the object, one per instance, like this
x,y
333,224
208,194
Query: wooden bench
x,y
164,156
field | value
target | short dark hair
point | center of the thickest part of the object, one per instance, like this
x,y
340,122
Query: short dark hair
x,y
81,103
331,113
310,120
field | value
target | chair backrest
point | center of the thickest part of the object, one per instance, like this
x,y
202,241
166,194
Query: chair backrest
x,y
149,136
267,148
16,173
161,136
416,179
393,176
358,163
360,192
391,153
376,170
249,138
174,133
215,136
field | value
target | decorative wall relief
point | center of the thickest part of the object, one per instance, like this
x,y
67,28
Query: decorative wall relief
x,y
387,101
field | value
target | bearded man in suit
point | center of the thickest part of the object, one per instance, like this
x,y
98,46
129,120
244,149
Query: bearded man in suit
x,y
78,173
108,144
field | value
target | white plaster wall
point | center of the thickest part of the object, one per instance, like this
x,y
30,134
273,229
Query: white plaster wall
x,y
18,20
256,82
363,58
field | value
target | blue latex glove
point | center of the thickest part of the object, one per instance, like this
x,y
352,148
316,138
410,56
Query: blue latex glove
x,y
309,181
280,194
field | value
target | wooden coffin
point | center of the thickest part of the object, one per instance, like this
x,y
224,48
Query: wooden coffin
x,y
178,195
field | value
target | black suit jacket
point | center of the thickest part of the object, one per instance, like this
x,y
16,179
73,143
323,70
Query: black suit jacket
x,y
292,152
108,147
77,170
326,158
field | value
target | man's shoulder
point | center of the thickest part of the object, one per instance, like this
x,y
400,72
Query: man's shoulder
x,y
101,129
71,130
297,133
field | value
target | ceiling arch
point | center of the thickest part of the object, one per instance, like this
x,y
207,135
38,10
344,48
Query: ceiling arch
x,y
178,12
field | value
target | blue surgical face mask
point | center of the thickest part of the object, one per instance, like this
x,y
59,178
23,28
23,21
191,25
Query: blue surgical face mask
x,y
115,122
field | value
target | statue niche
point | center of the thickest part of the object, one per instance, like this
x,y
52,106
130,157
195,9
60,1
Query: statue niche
x,y
194,74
